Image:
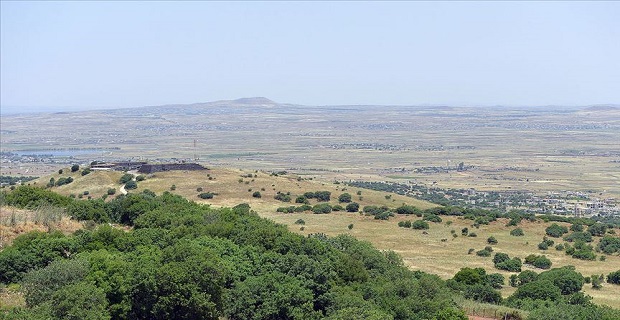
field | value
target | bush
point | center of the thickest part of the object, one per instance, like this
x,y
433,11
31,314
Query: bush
x,y
518,232
140,178
75,168
322,208
206,195
432,217
337,208
405,209
256,194
130,185
579,236
464,231
63,181
352,207
483,253
126,178
555,230
598,229
300,221
609,244
405,224
500,257
419,225
491,240
538,290
345,197
111,191
282,197
85,171
301,199
512,265
614,277
322,196
537,261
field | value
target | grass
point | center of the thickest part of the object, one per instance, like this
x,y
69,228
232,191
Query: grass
x,y
14,222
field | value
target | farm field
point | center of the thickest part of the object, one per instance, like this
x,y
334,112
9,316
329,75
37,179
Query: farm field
x,y
537,149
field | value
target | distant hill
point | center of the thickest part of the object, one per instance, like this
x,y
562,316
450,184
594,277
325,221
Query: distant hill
x,y
603,108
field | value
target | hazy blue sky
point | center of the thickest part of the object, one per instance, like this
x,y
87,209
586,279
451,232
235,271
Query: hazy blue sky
x,y
124,54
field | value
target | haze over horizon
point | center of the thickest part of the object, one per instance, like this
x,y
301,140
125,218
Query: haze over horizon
x,y
69,56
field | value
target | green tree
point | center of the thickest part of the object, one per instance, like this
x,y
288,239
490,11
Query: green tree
x,y
79,301
75,168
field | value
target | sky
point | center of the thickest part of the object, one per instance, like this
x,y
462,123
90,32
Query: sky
x,y
86,55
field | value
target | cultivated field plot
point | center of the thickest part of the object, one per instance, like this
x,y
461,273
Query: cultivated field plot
x,y
536,149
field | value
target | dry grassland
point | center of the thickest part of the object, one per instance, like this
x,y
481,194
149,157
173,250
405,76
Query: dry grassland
x,y
428,253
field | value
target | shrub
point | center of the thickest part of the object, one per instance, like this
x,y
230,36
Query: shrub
x,y
432,217
130,185
199,189
75,168
540,262
322,208
300,221
609,245
353,207
206,195
576,227
464,231
472,234
111,191
337,208
419,225
579,236
125,178
405,209
63,181
405,224
256,194
140,177
350,226
500,257
491,240
85,171
483,253
345,197
482,293
512,265
173,187
614,277
282,197
555,230
301,199
598,229
322,196
518,232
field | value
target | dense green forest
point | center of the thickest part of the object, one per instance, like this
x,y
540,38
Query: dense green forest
x,y
178,259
